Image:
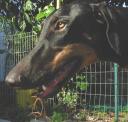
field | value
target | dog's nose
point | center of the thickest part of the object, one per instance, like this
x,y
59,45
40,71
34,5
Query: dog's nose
x,y
12,79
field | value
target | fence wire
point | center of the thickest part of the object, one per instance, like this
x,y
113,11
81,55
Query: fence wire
x,y
94,84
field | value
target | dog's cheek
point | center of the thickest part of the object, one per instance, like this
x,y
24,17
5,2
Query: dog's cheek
x,y
89,59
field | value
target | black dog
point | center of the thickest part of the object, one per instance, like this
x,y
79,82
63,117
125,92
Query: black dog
x,y
74,36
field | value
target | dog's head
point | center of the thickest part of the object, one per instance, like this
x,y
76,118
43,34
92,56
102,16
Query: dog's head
x,y
65,45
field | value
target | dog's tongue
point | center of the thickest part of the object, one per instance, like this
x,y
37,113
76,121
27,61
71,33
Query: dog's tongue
x,y
52,85
50,88
60,77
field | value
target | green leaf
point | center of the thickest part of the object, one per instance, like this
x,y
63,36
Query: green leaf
x,y
22,25
28,6
45,13
82,86
27,17
40,16
36,28
49,11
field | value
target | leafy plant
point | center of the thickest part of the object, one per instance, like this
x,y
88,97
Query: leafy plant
x,y
28,6
23,13
81,115
36,20
58,117
27,15
68,98
45,12
81,82
125,108
101,115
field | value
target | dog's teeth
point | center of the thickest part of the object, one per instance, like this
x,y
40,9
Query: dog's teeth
x,y
44,87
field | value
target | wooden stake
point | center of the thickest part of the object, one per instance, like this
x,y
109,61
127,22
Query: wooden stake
x,y
58,4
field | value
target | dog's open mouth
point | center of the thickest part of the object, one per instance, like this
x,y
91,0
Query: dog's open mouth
x,y
64,74
54,83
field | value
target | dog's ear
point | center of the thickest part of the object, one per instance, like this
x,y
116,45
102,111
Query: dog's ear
x,y
114,42
99,17
97,10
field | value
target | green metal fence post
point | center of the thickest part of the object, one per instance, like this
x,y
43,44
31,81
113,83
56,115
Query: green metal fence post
x,y
116,91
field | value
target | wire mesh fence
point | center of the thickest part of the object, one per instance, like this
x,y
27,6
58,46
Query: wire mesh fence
x,y
94,85
18,46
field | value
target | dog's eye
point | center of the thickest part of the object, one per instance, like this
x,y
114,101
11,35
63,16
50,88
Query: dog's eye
x,y
60,26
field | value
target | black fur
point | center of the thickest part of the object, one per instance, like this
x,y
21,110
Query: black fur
x,y
101,30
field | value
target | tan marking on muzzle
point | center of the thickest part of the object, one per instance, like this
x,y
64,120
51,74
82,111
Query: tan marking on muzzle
x,y
86,53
